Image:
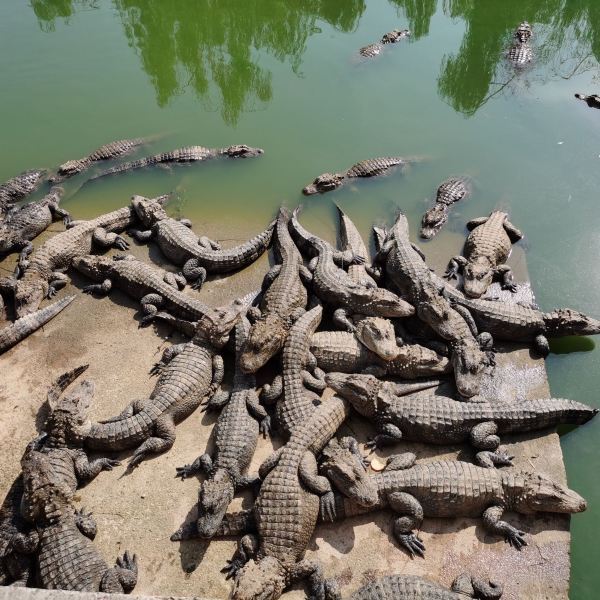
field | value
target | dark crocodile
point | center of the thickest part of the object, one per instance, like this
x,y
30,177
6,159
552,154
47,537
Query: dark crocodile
x,y
521,52
334,286
19,187
593,100
406,269
454,489
235,437
411,587
25,223
188,154
15,332
41,274
197,256
441,420
450,191
391,37
106,152
283,302
486,250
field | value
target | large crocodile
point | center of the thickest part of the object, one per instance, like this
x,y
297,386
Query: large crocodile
x,y
105,152
593,100
15,332
486,250
41,273
441,420
235,435
450,191
19,187
391,37
25,223
283,302
197,256
521,52
406,269
188,154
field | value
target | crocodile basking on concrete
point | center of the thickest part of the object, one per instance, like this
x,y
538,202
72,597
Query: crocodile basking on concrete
x,y
106,152
25,223
442,420
486,250
391,37
283,302
197,256
188,154
235,437
521,52
19,187
593,100
450,191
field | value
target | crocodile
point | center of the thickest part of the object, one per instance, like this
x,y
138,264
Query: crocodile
x,y
371,167
487,248
283,302
236,435
15,332
197,256
593,100
521,52
391,37
450,191
105,152
41,274
442,420
452,489
190,374
407,270
411,587
188,154
19,187
334,286
27,222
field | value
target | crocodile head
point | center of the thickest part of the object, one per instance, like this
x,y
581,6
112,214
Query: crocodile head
x,y
468,361
421,361
524,32
433,220
378,335
264,579
387,304
68,169
360,390
324,183
243,151
215,497
266,338
565,321
478,276
539,493
148,211
95,267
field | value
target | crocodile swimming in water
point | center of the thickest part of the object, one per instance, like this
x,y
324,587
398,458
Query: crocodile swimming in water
x,y
521,52
19,187
593,100
391,37
450,191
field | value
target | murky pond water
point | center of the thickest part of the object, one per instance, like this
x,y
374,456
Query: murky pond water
x,y
285,76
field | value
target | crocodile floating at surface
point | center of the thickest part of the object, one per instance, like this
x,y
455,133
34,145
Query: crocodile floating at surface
x,y
521,52
19,187
391,37
197,256
487,248
441,420
188,154
450,191
593,100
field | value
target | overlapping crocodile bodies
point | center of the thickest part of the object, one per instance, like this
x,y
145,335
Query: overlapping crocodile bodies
x,y
19,187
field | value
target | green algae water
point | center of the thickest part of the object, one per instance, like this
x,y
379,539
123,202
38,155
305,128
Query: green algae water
x,y
286,76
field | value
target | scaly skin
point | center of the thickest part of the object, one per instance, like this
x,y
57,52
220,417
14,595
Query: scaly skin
x,y
283,301
188,154
106,152
388,38
451,489
235,438
19,187
441,420
487,248
197,256
593,100
450,191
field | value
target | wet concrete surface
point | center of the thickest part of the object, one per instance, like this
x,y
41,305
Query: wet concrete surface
x,y
139,511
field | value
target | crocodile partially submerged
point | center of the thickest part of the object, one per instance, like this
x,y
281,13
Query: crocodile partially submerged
x,y
486,250
105,152
235,434
450,191
189,154
19,187
442,420
593,100
521,52
197,256
283,302
391,37
25,223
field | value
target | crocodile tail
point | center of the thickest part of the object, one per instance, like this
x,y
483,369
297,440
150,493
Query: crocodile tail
x,y
539,414
119,434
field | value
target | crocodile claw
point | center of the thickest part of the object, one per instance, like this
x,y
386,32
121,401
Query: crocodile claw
x,y
184,472
450,274
157,368
231,569
265,426
413,544
516,538
88,289
328,506
121,243
109,463
371,444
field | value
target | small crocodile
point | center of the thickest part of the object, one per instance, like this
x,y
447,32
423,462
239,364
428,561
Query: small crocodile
x,y
188,154
236,435
450,191
106,152
371,167
593,100
19,187
15,332
391,37
521,52
283,302
441,420
25,223
452,489
334,286
197,256
411,587
487,248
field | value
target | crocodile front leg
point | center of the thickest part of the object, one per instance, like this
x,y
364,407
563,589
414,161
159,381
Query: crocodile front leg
x,y
194,273
504,272
513,233
217,398
26,248
388,434
257,410
86,523
412,518
247,549
101,289
60,213
271,392
203,464
476,222
492,521
541,345
270,463
455,266
143,237
270,277
318,587
108,239
57,282
340,319
122,577
162,440
86,469
175,280
308,473
150,305
168,355
314,381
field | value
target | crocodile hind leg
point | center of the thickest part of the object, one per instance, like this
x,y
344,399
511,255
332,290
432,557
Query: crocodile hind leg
x,y
101,289
271,392
203,464
206,242
412,517
175,280
168,355
122,577
150,304
162,440
311,570
492,521
257,410
107,239
455,266
476,222
541,345
340,318
217,398
86,523
57,282
194,273
308,473
143,237
513,233
504,272
247,549
388,434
